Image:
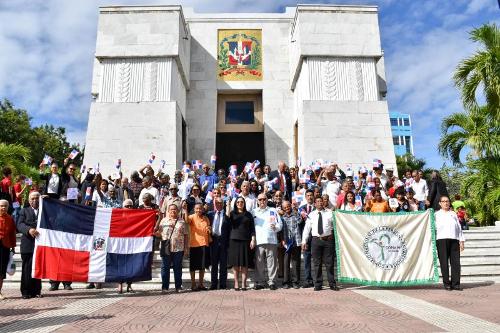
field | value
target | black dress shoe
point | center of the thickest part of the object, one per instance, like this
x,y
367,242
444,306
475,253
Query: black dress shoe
x,y
334,287
273,287
68,287
447,287
318,288
26,296
286,286
259,287
457,288
296,286
53,288
213,288
38,296
307,285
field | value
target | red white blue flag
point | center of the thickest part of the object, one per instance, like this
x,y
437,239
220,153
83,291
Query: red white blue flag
x,y
88,244
74,153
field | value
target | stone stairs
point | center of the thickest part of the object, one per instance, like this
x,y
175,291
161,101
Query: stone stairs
x,y
480,260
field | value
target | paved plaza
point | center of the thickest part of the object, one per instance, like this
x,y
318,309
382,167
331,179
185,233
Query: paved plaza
x,y
353,309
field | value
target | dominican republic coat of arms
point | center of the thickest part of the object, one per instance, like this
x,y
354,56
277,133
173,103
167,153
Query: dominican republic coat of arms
x,y
240,55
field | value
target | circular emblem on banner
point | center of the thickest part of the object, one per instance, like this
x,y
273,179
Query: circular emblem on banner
x,y
385,247
98,244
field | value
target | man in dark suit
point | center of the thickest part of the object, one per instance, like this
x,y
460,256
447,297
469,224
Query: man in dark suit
x,y
26,224
284,180
220,243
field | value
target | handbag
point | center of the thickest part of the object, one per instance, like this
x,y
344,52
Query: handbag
x,y
11,266
165,244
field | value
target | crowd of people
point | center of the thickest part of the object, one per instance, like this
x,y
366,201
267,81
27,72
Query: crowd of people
x,y
270,220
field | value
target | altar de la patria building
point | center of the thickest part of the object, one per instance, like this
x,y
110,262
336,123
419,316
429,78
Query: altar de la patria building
x,y
306,83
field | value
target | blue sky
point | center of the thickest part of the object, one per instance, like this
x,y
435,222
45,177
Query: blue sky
x,y
47,52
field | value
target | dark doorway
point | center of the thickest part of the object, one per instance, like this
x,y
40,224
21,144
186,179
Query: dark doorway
x,y
239,148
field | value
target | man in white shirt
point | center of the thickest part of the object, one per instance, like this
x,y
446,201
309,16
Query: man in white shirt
x,y
319,223
420,188
148,187
267,225
250,201
331,185
449,242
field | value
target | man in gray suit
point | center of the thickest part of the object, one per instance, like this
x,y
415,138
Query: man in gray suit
x,y
26,224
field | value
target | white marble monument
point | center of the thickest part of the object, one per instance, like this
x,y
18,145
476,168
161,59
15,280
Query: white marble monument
x,y
306,83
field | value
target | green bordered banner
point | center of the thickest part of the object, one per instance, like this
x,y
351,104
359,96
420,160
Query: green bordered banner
x,y
386,249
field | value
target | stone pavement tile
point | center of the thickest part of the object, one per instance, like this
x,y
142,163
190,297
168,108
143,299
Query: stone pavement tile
x,y
481,300
229,326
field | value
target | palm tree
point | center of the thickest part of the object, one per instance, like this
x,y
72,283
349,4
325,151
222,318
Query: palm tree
x,y
16,156
471,129
482,188
482,69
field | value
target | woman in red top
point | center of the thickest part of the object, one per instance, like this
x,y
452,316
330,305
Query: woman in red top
x,y
7,240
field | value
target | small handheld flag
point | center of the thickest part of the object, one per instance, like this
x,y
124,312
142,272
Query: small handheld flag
x,y
209,197
233,169
97,168
83,168
47,159
197,164
185,168
28,181
151,158
119,164
213,159
162,164
74,153
88,193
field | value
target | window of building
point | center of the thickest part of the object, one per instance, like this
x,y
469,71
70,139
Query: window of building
x,y
406,122
394,121
408,144
395,140
240,112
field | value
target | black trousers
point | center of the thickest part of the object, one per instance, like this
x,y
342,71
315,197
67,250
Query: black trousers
x,y
322,252
29,286
293,258
218,260
449,250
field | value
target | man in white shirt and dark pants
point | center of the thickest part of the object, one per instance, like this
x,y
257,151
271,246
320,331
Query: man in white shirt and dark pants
x,y
421,189
319,223
449,242
267,225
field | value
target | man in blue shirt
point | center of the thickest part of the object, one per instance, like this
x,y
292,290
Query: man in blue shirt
x,y
267,225
207,180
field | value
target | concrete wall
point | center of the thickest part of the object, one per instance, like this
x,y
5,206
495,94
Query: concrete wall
x,y
155,31
348,132
277,98
333,31
131,131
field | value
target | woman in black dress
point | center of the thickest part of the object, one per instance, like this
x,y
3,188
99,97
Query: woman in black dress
x,y
241,240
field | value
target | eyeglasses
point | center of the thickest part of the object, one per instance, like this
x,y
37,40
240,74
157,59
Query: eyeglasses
x,y
72,169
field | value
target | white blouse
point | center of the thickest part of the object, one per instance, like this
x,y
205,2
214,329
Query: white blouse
x,y
448,226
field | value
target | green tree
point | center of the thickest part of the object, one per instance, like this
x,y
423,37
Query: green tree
x,y
16,157
410,162
481,188
41,140
16,127
472,129
482,69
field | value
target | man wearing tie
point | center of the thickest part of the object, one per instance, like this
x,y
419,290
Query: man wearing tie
x,y
284,181
26,224
219,245
319,223
304,212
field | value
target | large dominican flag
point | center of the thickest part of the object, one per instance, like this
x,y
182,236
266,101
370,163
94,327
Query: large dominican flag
x,y
88,244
